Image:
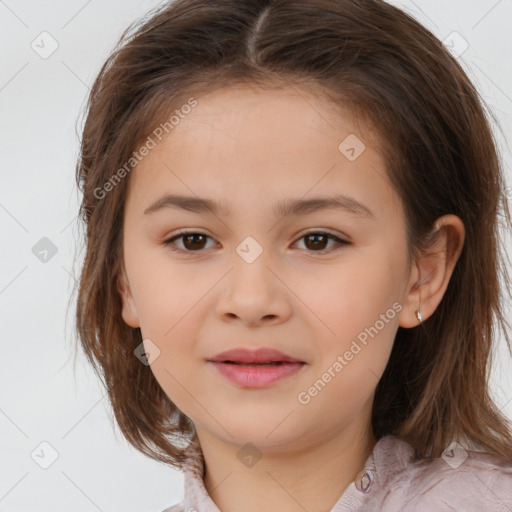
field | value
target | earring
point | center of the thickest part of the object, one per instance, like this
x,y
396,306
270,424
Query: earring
x,y
418,316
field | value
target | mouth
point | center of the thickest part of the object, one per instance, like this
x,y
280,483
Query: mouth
x,y
255,368
261,356
256,375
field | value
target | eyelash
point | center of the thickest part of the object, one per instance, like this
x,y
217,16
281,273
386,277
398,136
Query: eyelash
x,y
169,243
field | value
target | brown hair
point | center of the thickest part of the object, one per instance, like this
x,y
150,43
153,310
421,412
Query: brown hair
x,y
441,157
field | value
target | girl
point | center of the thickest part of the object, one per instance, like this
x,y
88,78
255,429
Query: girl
x,y
292,277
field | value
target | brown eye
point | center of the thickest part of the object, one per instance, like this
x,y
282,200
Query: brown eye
x,y
317,241
192,242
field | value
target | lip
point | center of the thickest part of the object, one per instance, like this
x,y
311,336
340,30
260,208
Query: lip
x,y
260,355
256,376
238,366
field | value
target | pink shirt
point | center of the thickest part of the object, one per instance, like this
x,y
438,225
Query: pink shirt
x,y
393,483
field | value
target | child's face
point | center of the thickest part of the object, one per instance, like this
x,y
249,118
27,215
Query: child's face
x,y
334,307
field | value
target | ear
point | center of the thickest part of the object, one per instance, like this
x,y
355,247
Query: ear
x,y
129,310
431,272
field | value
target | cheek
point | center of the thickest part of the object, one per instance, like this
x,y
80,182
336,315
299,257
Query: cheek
x,y
359,310
353,295
173,326
166,293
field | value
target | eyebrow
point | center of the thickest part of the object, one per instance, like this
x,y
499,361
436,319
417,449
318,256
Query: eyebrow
x,y
283,208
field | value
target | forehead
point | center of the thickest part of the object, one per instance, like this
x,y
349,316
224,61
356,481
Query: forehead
x,y
250,144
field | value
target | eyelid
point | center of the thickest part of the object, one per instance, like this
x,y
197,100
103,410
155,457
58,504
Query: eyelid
x,y
169,241
344,238
339,236
340,241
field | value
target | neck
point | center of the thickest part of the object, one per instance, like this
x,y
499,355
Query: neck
x,y
309,477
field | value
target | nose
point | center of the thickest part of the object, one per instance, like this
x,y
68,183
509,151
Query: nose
x,y
254,294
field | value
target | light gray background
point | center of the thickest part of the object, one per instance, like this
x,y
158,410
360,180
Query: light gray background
x,y
42,398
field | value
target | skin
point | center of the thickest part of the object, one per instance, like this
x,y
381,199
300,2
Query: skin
x,y
249,149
